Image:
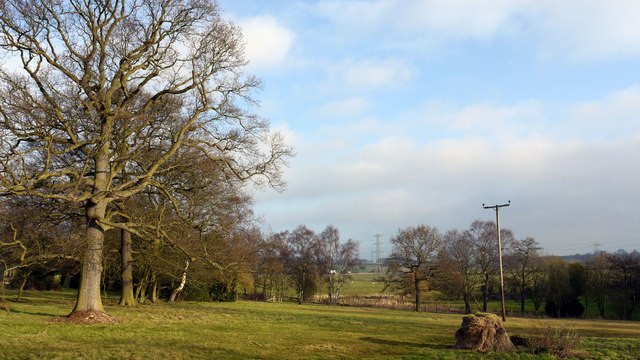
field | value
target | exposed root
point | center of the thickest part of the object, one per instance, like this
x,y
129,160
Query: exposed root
x,y
87,317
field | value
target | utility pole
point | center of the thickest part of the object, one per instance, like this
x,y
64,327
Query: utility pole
x,y
377,244
497,209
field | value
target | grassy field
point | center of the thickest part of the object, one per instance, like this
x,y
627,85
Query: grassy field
x,y
259,330
362,284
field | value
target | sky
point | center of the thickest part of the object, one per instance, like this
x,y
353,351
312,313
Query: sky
x,y
408,112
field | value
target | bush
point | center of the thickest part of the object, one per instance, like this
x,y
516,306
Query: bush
x,y
196,292
562,342
220,292
569,308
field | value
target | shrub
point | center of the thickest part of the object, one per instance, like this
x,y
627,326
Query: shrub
x,y
562,342
220,292
520,341
196,292
568,308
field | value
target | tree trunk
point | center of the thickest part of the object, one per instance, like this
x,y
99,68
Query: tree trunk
x,y
66,283
600,302
467,306
142,286
301,294
126,292
142,291
24,282
485,295
89,292
89,299
154,288
3,269
175,292
523,286
416,284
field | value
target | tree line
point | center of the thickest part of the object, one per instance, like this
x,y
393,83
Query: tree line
x,y
463,265
205,262
226,255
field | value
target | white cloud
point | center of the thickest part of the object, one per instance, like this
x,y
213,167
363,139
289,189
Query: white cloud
x,y
460,19
566,190
268,42
617,115
575,30
496,121
376,74
349,106
589,29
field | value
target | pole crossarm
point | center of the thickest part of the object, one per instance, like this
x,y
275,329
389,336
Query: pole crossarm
x,y
497,209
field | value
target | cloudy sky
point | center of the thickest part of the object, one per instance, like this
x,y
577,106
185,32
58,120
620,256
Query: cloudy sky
x,y
407,112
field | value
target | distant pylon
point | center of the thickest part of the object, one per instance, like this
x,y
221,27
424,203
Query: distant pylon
x,y
595,247
377,244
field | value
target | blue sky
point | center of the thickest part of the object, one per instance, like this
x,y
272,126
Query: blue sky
x,y
407,112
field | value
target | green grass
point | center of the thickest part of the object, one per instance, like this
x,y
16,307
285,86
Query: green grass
x,y
258,330
363,284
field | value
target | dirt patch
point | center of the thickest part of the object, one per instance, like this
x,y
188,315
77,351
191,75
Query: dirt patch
x,y
483,332
87,317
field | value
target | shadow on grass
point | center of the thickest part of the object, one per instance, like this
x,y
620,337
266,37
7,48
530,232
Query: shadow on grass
x,y
35,313
405,343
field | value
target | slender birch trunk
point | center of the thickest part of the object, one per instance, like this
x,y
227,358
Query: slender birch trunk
x,y
175,292
154,288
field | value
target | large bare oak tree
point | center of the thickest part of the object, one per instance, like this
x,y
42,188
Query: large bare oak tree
x,y
415,251
108,93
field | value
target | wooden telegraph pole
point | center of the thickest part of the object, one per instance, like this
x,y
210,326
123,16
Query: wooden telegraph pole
x,y
497,209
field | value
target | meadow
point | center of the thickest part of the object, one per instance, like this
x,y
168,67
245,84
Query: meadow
x,y
262,330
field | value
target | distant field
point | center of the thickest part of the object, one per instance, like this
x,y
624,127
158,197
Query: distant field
x,y
259,330
363,284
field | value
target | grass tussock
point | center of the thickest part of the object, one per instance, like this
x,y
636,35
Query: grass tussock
x,y
561,341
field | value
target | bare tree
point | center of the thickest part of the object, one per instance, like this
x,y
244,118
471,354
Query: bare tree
x,y
38,235
458,270
302,264
598,276
482,235
415,251
272,266
109,93
625,282
539,284
335,259
519,264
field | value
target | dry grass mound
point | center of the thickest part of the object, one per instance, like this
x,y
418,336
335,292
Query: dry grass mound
x,y
483,332
563,342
